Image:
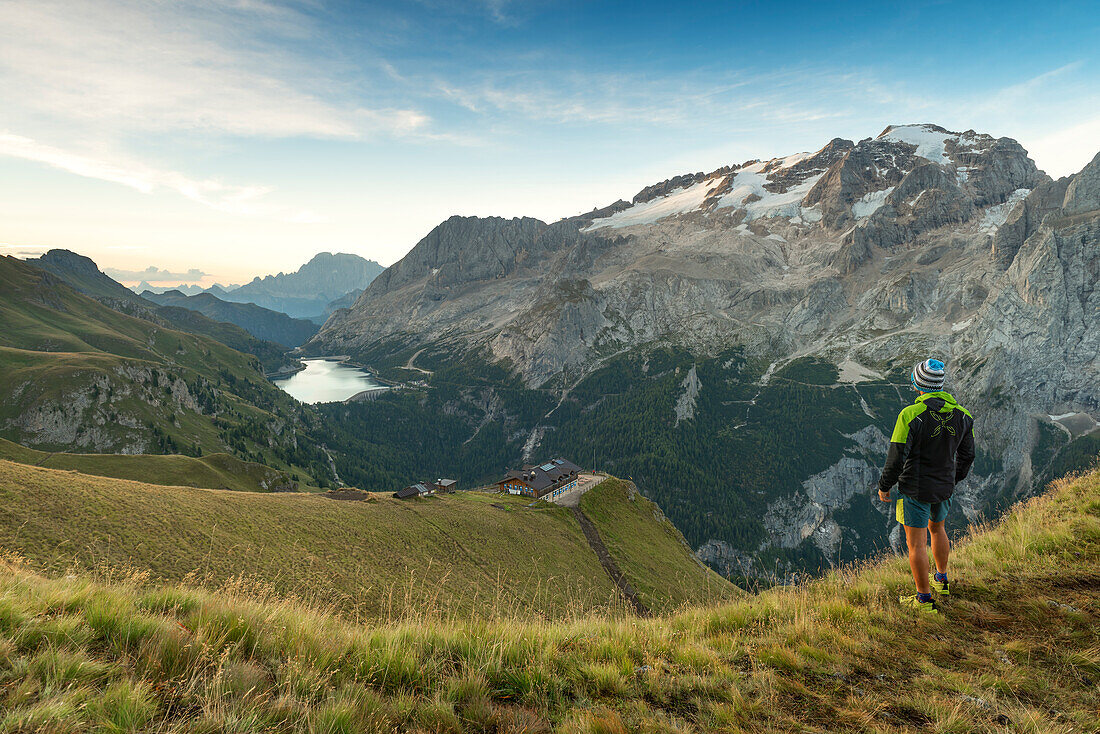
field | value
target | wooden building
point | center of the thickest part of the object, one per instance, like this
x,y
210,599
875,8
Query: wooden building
x,y
546,481
420,489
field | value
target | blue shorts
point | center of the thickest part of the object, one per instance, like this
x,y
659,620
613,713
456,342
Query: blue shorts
x,y
916,514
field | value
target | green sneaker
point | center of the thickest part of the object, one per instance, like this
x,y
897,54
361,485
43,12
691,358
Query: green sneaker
x,y
912,602
940,587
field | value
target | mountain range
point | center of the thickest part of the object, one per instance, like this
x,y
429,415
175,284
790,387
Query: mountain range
x,y
742,338
307,292
187,289
84,275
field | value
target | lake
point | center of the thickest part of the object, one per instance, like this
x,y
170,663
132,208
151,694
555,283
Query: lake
x,y
326,381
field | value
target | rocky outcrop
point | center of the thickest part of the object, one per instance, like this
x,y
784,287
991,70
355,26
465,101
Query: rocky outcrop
x,y
927,197
1026,218
1083,192
685,404
991,168
464,250
870,166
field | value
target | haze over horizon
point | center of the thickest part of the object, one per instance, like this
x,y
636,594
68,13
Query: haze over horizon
x,y
239,138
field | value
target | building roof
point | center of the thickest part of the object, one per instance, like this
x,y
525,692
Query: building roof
x,y
445,482
413,490
544,476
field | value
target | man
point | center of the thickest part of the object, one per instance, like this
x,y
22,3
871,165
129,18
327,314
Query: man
x,y
931,450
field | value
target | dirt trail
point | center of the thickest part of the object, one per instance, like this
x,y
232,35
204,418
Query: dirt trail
x,y
411,366
596,543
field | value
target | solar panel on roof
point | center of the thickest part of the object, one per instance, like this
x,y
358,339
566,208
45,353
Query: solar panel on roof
x,y
546,467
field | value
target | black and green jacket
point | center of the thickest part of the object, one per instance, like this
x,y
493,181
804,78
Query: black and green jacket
x,y
932,448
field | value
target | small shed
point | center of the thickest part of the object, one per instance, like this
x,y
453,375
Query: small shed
x,y
445,485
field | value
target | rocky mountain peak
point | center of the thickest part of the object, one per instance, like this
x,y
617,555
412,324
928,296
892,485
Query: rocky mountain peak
x,y
68,260
464,249
307,291
842,184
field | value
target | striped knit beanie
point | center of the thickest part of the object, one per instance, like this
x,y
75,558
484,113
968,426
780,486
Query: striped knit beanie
x,y
928,376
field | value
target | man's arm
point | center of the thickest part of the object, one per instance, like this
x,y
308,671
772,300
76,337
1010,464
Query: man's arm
x,y
895,456
964,455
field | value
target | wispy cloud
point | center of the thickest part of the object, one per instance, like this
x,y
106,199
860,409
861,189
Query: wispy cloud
x,y
233,199
115,65
87,85
700,99
709,103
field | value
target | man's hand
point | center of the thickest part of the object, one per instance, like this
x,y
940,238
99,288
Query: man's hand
x,y
883,496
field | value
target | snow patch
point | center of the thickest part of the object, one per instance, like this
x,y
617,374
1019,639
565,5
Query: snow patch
x,y
680,201
931,144
870,203
748,182
793,159
996,215
811,213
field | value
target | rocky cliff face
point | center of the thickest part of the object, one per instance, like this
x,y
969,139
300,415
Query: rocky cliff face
x,y
873,253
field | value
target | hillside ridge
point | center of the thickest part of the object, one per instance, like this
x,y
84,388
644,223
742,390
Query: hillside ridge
x,y
1015,651
469,553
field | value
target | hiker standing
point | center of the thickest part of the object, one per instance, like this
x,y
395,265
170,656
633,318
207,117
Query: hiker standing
x,y
931,450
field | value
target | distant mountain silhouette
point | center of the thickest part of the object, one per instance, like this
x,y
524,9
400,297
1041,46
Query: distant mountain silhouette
x,y
307,292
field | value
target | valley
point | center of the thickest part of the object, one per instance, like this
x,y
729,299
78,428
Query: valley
x,y
508,367
738,343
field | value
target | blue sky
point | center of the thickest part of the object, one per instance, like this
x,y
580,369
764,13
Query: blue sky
x,y
240,137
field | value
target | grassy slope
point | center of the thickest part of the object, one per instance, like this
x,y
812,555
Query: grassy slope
x,y
49,317
213,471
83,275
467,553
70,361
1018,650
659,565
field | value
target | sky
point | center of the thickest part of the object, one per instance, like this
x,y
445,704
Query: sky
x,y
217,140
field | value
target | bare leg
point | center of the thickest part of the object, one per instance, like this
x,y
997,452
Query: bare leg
x,y
917,540
941,546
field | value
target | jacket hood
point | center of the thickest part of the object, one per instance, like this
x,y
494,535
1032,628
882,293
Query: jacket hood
x,y
949,402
